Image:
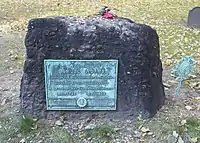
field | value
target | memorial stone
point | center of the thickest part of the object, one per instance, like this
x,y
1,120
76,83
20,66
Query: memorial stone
x,y
139,88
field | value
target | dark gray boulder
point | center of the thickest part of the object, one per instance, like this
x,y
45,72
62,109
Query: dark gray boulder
x,y
136,46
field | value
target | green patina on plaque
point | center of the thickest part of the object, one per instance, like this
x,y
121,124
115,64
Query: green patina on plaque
x,y
81,84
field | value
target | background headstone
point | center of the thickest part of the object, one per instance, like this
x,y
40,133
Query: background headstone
x,y
194,17
135,46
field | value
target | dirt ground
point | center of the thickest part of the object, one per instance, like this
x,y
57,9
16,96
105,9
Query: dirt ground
x,y
175,110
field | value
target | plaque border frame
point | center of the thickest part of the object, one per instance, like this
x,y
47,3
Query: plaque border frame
x,y
81,109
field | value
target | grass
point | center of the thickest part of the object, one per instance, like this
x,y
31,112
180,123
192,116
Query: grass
x,y
101,133
15,129
62,136
26,125
191,127
166,16
12,52
9,128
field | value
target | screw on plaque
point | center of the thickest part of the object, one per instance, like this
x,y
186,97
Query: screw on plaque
x,y
81,102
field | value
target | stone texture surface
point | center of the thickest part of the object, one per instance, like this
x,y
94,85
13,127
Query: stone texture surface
x,y
136,46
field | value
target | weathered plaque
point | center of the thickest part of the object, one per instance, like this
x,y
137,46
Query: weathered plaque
x,y
81,84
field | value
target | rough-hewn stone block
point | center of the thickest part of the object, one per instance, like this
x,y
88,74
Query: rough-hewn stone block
x,y
136,46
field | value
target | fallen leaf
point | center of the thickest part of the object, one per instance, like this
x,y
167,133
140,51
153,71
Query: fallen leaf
x,y
35,127
172,82
22,140
117,129
180,140
197,98
150,133
139,117
62,118
175,134
59,123
192,76
195,85
168,62
141,140
40,141
140,127
188,107
11,71
166,85
144,134
144,130
194,140
183,122
81,136
90,127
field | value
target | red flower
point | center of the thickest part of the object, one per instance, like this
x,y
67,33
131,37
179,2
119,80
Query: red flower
x,y
108,15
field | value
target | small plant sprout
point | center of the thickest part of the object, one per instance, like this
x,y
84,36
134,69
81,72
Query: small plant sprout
x,y
27,124
182,69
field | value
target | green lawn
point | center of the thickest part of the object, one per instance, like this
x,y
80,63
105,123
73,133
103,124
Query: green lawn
x,y
168,17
